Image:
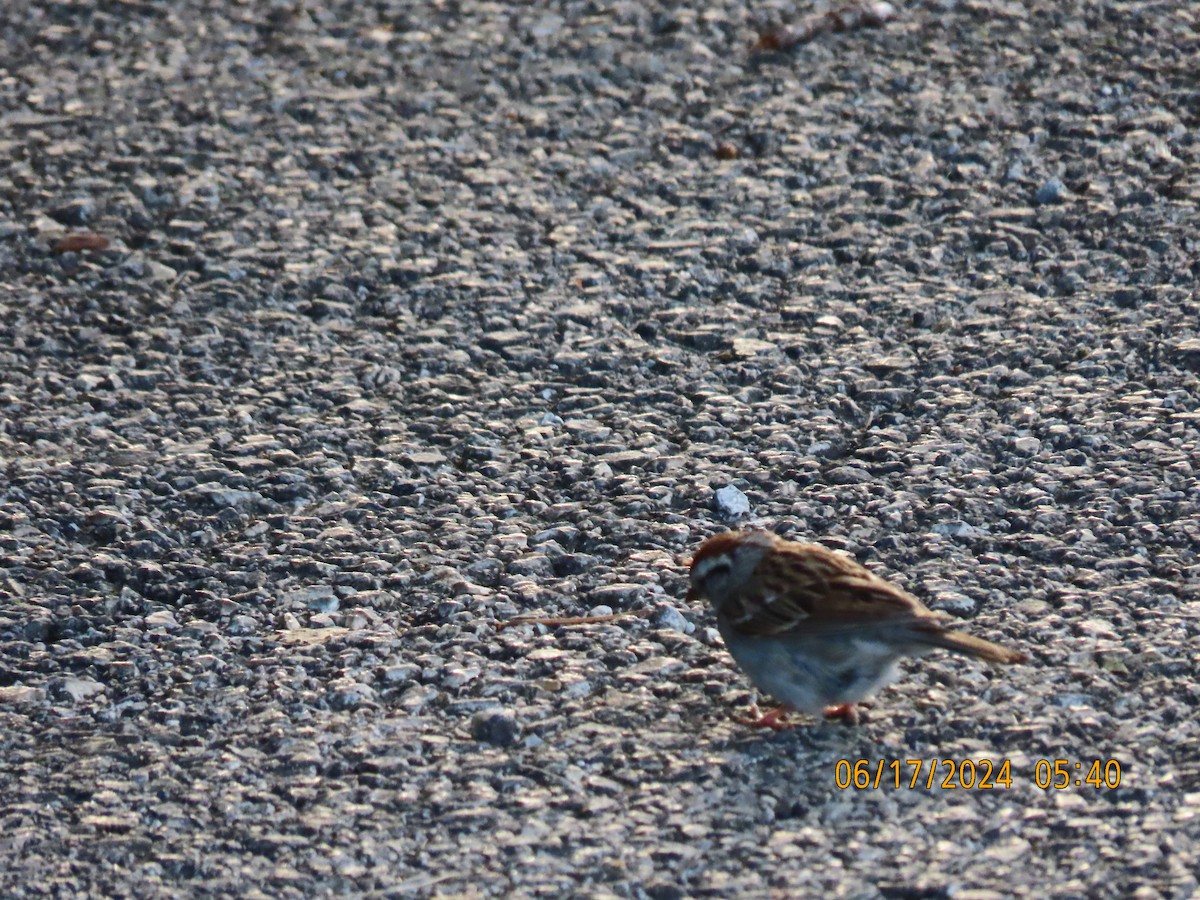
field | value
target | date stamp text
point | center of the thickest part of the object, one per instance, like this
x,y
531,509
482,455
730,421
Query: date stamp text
x,y
977,775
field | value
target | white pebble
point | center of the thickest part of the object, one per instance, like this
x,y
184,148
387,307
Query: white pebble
x,y
731,503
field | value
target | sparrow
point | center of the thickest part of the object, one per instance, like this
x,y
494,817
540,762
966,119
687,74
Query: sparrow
x,y
813,628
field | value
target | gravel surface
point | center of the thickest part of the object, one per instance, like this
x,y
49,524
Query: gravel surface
x,y
332,335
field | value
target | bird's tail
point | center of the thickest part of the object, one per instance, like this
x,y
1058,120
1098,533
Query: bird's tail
x,y
969,645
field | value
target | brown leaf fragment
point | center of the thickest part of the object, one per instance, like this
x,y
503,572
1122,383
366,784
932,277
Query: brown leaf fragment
x,y
850,17
79,242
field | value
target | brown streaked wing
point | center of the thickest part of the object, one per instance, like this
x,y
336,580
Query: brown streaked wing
x,y
817,589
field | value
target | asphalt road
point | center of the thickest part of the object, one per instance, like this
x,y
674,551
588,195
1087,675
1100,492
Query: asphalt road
x,y
333,336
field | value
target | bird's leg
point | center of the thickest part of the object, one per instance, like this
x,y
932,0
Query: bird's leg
x,y
769,719
847,712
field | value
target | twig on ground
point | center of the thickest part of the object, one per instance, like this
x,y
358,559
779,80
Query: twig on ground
x,y
555,621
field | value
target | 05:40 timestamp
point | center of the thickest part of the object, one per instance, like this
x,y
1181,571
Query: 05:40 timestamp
x,y
1060,774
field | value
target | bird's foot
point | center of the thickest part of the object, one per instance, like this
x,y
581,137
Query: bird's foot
x,y
768,720
847,712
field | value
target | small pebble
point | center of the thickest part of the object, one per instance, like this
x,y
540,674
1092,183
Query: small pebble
x,y
731,504
348,694
401,674
954,603
1027,445
78,689
667,616
497,727
957,529
1051,191
164,618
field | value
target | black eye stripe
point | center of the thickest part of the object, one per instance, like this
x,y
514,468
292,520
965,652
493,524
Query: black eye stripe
x,y
716,567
